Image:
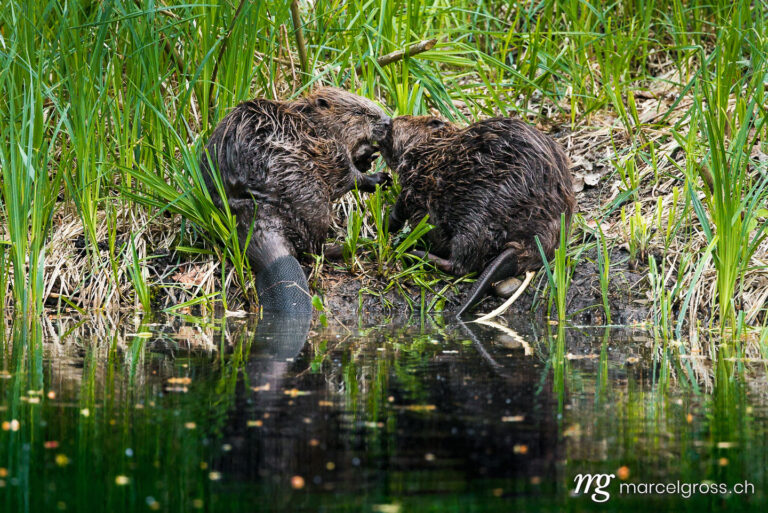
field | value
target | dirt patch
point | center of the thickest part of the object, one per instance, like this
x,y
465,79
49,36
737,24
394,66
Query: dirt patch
x,y
347,296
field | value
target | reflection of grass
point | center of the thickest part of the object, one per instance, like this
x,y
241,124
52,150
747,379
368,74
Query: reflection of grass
x,y
125,442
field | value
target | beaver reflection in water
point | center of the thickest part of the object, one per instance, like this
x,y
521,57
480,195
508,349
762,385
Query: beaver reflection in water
x,y
282,164
489,189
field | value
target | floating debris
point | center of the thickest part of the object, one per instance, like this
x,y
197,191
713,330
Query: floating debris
x,y
386,508
297,482
420,407
122,480
180,381
294,392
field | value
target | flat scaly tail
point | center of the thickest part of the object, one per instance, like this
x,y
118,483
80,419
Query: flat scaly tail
x,y
503,266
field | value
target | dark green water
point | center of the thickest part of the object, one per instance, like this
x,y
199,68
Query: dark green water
x,y
430,417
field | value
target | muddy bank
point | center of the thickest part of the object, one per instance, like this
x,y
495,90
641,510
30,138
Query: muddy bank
x,y
349,297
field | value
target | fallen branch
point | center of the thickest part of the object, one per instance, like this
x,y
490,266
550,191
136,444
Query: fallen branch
x,y
503,308
398,55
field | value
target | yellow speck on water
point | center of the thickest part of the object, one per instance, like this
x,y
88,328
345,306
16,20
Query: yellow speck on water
x,y
520,449
262,388
421,407
623,473
294,392
203,465
307,420
689,418
122,480
226,447
62,460
723,462
51,394
324,403
513,418
255,423
61,505
190,425
4,374
33,400
85,412
198,503
180,381
214,476
429,456
386,508
297,482
314,442
3,472
535,480
726,445
498,492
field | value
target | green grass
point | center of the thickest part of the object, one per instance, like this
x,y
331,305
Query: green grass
x,y
106,106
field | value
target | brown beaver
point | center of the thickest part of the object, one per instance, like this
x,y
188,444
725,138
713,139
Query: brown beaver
x,y
282,164
489,189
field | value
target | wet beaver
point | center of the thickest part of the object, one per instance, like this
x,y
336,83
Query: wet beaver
x,y
282,164
488,188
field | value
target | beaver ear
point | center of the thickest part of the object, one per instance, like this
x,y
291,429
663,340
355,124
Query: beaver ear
x,y
321,103
436,123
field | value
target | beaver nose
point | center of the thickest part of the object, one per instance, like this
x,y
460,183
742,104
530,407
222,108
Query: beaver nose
x,y
387,122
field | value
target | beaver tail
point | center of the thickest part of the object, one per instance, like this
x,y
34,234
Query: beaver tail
x,y
503,266
282,287
280,281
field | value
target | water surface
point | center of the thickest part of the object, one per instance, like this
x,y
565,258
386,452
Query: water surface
x,y
281,415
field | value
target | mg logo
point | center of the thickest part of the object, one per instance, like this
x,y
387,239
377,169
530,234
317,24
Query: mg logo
x,y
584,484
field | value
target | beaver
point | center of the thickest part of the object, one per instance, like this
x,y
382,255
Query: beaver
x,y
489,189
282,164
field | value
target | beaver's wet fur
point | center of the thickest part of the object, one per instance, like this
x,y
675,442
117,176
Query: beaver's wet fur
x,y
283,163
489,189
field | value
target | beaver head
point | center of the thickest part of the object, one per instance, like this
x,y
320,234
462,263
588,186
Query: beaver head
x,y
356,122
409,132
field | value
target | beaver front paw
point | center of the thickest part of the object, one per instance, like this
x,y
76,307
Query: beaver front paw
x,y
368,183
